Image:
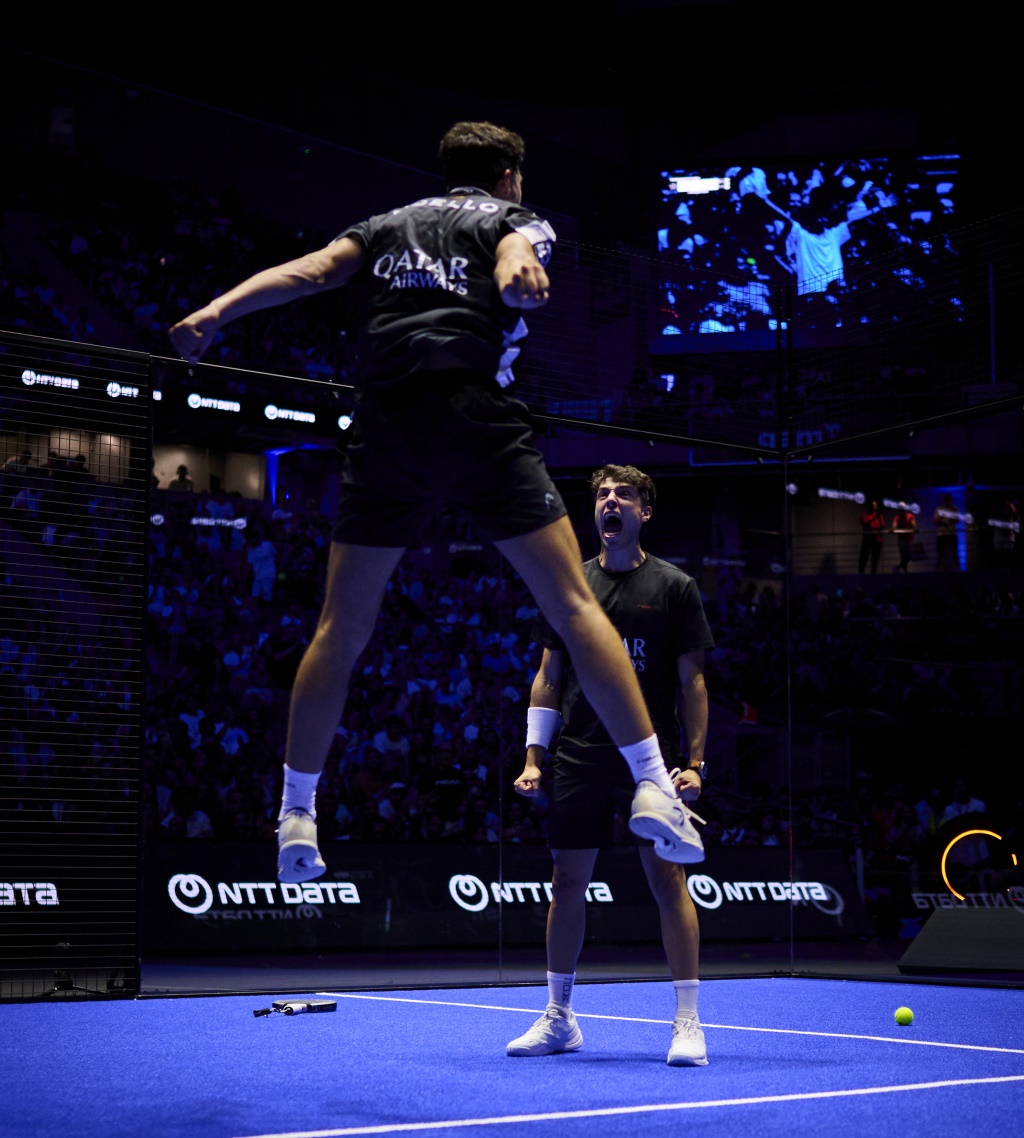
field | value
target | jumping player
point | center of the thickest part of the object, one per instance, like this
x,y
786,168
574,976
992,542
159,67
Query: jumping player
x,y
441,285
657,611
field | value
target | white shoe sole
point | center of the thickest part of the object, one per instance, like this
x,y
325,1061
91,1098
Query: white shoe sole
x,y
668,845
686,1062
574,1043
299,861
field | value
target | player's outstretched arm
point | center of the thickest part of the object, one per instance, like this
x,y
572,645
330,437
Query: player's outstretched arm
x,y
520,277
327,268
545,693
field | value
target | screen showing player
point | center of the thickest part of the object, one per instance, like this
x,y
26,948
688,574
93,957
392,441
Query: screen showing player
x,y
843,236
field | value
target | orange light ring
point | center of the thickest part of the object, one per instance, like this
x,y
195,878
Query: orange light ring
x,y
945,853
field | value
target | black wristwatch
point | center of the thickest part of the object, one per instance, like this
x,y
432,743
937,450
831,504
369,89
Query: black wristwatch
x,y
701,768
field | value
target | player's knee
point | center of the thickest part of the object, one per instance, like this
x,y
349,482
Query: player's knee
x,y
568,884
568,610
340,640
668,884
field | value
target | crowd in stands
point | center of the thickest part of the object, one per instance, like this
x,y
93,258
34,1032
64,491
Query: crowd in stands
x,y
148,267
69,642
432,734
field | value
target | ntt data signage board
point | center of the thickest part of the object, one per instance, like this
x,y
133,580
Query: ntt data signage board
x,y
207,897
46,382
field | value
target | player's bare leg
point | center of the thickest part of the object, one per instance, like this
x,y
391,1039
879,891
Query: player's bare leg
x,y
567,913
356,579
680,933
557,1029
680,930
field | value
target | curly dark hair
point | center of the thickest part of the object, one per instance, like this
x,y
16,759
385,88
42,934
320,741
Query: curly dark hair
x,y
627,476
478,153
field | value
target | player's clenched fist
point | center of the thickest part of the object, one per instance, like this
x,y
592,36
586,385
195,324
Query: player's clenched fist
x,y
687,784
193,335
528,783
528,288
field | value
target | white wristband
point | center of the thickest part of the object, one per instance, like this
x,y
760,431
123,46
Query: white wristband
x,y
541,724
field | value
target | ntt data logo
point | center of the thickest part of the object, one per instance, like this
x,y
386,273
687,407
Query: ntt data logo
x,y
231,523
28,893
471,894
194,895
842,495
704,890
30,378
119,391
272,411
190,893
199,402
709,894
468,892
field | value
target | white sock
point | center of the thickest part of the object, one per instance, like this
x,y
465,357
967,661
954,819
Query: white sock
x,y
686,997
645,762
560,988
299,791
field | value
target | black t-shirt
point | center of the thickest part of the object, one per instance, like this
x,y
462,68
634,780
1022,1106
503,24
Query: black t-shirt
x,y
657,610
426,294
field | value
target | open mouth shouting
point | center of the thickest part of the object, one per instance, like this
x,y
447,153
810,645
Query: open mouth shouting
x,y
611,525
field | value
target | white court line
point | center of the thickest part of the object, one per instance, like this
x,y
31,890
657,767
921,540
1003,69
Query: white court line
x,y
612,1111
718,1026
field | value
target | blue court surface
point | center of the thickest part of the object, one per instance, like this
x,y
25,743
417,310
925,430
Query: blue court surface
x,y
786,1056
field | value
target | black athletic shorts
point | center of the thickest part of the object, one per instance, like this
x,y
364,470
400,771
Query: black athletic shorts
x,y
442,439
588,790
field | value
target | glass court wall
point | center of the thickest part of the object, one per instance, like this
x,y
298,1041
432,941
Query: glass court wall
x,y
858,707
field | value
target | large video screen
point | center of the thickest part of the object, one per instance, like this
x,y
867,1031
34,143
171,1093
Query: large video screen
x,y
844,237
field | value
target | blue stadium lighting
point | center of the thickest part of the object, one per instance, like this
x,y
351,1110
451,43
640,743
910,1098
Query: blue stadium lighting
x,y
271,457
958,495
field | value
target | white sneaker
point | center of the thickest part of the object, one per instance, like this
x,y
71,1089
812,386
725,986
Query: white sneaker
x,y
665,820
298,858
688,1048
555,1031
